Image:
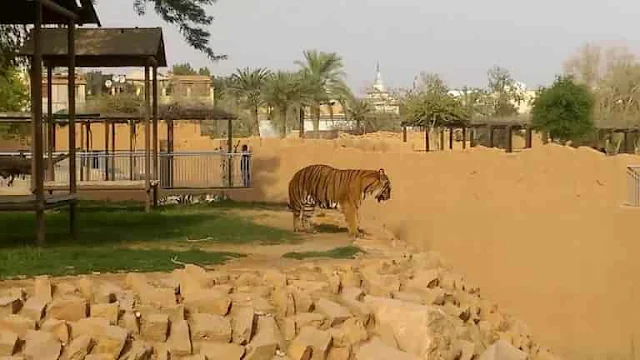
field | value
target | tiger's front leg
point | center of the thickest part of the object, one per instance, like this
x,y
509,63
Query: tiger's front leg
x,y
350,214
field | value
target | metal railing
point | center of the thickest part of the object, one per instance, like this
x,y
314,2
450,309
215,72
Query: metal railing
x,y
177,170
633,185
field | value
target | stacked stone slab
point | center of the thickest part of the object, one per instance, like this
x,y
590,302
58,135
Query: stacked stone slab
x,y
407,307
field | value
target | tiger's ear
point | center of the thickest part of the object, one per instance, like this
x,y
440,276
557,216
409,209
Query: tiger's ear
x,y
381,172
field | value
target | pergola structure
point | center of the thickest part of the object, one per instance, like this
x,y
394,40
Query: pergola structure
x,y
39,13
491,126
109,47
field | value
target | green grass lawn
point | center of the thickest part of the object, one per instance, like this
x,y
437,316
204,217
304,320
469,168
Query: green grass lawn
x,y
106,230
346,252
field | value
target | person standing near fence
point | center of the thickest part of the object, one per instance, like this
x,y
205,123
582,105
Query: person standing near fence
x,y
244,166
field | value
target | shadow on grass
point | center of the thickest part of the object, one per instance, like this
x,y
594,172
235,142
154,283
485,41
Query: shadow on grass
x,y
117,223
330,228
346,252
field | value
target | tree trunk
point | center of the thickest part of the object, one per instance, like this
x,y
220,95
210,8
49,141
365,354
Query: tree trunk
x,y
256,122
316,120
301,118
283,118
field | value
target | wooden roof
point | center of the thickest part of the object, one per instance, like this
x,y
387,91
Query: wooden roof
x,y
101,47
23,12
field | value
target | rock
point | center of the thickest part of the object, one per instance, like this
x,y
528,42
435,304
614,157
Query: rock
x,y
8,342
210,327
15,292
318,341
94,327
111,342
251,278
351,299
208,301
424,279
199,274
339,353
58,327
175,312
419,330
109,311
285,303
377,284
376,350
179,341
137,282
43,289
435,296
160,352
352,294
86,287
315,320
139,350
335,313
451,282
42,346
467,350
64,289
34,308
275,278
350,333
127,300
192,283
68,308
243,321
98,357
154,327
502,350
288,326
217,351
107,293
130,322
266,341
315,289
159,297
17,324
350,277
10,305
302,299
335,284
408,297
78,348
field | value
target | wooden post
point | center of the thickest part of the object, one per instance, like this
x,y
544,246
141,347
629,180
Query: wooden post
x,y
147,138
86,160
450,138
528,137
132,134
509,131
71,88
154,97
625,133
464,137
106,150
50,125
441,139
301,130
113,150
170,150
229,150
426,139
404,134
490,128
472,137
36,144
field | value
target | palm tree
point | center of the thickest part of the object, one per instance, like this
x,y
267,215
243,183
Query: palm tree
x,y
359,110
328,71
283,90
247,86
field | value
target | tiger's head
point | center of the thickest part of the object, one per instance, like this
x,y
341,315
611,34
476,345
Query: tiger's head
x,y
384,189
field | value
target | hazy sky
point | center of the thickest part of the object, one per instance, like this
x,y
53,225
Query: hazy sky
x,y
458,39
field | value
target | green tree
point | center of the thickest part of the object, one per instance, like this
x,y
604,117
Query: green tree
x,y
247,85
204,71
13,97
504,90
283,90
564,110
183,69
431,105
359,110
326,73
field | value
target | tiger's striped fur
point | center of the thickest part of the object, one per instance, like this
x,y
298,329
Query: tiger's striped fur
x,y
330,188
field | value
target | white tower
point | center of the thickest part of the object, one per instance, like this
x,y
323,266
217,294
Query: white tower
x,y
378,84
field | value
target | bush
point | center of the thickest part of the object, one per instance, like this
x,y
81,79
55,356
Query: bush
x,y
564,110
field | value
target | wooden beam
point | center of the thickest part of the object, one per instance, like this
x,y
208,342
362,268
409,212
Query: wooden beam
x,y
426,139
59,10
106,151
441,138
132,134
464,137
528,137
472,137
509,131
71,89
154,96
404,134
113,151
50,126
147,137
229,150
450,138
491,142
36,91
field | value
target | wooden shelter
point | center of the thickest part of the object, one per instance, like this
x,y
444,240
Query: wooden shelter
x,y
39,12
110,47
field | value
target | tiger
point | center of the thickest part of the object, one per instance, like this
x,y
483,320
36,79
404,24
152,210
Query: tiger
x,y
330,188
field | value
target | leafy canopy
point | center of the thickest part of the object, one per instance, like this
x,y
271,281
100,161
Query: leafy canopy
x,y
564,110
